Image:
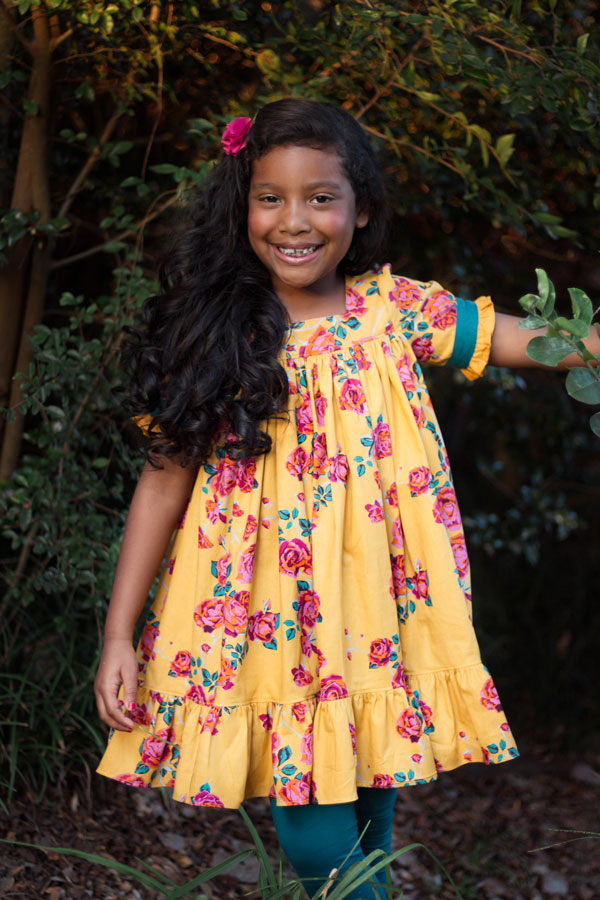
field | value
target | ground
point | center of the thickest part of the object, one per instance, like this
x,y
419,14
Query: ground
x,y
485,824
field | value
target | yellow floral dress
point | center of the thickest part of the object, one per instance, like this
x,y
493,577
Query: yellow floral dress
x,y
312,632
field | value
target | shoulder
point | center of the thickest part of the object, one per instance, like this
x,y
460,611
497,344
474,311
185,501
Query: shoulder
x,y
402,292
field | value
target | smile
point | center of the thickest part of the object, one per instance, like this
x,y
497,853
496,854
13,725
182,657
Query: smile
x,y
297,254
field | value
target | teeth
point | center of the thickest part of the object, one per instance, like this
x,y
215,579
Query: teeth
x,y
291,252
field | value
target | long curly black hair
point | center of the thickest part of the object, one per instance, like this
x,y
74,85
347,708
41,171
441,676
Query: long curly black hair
x,y
205,357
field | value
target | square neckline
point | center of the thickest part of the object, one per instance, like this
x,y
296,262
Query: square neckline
x,y
303,323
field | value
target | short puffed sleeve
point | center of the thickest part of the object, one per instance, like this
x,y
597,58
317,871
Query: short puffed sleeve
x,y
442,329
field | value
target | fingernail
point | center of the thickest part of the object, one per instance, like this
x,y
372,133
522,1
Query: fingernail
x,y
131,707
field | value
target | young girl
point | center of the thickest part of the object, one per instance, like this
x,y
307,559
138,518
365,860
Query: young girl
x,y
311,636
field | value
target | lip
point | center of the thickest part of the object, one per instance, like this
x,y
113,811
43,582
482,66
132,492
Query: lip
x,y
295,260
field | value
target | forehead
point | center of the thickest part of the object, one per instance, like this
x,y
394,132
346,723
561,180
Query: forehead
x,y
293,165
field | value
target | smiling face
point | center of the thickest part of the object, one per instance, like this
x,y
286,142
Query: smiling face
x,y
301,219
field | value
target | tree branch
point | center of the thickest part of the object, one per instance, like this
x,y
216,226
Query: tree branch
x,y
88,165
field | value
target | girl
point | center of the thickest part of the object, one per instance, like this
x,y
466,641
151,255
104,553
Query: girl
x,y
311,636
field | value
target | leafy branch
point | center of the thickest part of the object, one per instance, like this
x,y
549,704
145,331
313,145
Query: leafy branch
x,y
563,337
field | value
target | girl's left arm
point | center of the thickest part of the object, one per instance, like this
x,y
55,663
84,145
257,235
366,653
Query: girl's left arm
x,y
509,345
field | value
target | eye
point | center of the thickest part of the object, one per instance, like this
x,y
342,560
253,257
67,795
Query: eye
x,y
268,198
322,199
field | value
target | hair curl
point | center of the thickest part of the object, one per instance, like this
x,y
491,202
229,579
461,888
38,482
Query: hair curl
x,y
205,356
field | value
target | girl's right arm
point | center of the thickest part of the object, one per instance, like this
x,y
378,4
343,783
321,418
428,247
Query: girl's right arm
x,y
156,508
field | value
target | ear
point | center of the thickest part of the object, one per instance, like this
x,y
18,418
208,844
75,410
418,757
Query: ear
x,y
361,219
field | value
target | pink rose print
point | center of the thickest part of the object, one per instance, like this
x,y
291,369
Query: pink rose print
x,y
405,294
237,510
419,415
438,766
251,526
203,541
209,614
155,748
171,565
205,798
445,510
306,747
226,675
296,791
468,757
320,341
266,721
148,640
332,688
416,758
400,679
301,676
420,584
409,726
423,348
320,407
211,720
352,729
375,511
485,754
181,665
320,462
308,609
224,480
140,714
196,695
355,303
426,713
338,468
262,626
383,781
294,557
133,780
489,696
398,575
222,565
380,652
397,535
504,726
382,442
304,418
459,549
440,310
245,472
391,495
359,355
352,396
235,612
405,374
297,462
246,565
213,512
299,711
418,480
306,643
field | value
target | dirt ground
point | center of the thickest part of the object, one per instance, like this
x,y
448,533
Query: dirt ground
x,y
484,824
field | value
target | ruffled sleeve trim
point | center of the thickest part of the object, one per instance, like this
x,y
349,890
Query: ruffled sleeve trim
x,y
483,337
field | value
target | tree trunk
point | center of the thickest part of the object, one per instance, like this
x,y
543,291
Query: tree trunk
x,y
23,279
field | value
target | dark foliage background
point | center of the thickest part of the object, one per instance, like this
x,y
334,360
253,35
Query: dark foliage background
x,y
486,125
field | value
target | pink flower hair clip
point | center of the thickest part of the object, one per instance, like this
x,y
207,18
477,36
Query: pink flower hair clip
x,y
234,137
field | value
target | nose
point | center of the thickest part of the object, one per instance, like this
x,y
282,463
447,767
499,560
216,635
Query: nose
x,y
293,219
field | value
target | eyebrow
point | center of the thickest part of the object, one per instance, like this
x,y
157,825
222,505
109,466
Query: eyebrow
x,y
332,185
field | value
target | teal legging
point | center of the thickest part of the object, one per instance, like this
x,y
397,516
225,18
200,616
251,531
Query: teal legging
x,y
317,838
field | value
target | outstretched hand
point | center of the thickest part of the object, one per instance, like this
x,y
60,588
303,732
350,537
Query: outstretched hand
x,y
118,666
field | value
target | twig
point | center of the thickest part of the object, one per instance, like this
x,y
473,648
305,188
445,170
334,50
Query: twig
x,y
88,165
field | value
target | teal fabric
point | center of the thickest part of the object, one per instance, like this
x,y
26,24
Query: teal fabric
x,y
467,322
317,838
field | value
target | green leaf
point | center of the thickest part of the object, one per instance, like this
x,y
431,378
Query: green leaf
x,y
548,350
504,147
573,326
582,43
532,322
164,169
583,385
595,423
582,305
31,107
543,284
530,302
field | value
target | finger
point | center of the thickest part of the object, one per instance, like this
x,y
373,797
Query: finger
x,y
129,673
114,707
120,724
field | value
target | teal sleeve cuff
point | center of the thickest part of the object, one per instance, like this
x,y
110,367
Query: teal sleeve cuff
x,y
465,337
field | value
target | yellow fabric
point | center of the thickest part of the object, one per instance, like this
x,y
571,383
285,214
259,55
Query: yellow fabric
x,y
311,633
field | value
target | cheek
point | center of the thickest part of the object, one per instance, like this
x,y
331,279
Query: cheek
x,y
257,223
